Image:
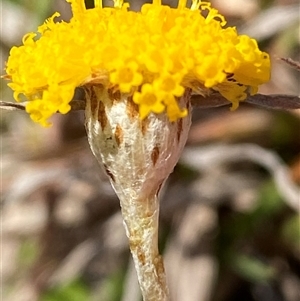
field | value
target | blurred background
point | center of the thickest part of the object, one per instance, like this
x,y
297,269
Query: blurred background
x,y
229,221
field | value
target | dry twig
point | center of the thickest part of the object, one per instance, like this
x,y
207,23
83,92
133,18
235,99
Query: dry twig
x,y
292,63
276,101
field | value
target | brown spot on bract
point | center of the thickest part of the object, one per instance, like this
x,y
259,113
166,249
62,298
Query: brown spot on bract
x,y
179,129
155,155
119,134
93,99
188,105
113,95
144,124
102,118
132,109
109,173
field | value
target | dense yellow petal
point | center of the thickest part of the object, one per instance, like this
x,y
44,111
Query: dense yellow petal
x,y
154,54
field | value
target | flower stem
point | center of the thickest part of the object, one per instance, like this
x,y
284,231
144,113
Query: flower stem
x,y
138,156
141,223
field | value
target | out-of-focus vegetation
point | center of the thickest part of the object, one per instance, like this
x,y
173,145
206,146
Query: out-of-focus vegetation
x,y
230,227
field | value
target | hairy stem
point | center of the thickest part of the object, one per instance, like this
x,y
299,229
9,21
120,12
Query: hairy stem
x,y
141,223
138,156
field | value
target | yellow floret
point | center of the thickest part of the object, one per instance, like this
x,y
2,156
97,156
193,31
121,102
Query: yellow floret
x,y
154,55
126,76
149,100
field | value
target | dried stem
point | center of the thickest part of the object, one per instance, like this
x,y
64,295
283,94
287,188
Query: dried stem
x,y
275,101
291,63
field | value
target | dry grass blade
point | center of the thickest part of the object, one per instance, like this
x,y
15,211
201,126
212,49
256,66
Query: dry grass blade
x,y
76,105
205,158
11,106
212,101
291,63
276,101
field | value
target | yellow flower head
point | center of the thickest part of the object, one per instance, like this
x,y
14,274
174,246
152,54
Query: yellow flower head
x,y
154,55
